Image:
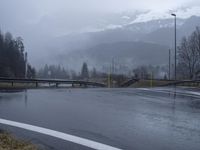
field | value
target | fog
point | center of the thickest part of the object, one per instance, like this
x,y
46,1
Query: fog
x,y
41,22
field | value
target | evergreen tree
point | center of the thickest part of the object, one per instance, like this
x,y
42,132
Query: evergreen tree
x,y
84,71
53,72
12,59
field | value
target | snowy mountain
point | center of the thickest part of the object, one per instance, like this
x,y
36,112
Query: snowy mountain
x,y
159,32
182,13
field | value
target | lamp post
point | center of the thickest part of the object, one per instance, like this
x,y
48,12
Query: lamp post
x,y
175,42
169,64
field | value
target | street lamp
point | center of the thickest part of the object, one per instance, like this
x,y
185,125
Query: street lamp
x,y
169,64
175,41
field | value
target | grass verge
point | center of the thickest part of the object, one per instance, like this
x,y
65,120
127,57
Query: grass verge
x,y
9,142
149,83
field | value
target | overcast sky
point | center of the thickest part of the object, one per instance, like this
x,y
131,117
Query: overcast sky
x,y
49,18
15,14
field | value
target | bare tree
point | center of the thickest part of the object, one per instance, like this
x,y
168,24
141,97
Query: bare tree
x,y
189,55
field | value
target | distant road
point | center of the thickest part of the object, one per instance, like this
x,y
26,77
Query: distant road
x,y
141,119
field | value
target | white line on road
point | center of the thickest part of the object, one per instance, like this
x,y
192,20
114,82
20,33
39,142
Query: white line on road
x,y
60,135
186,93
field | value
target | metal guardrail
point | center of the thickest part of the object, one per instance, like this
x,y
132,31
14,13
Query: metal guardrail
x,y
56,81
182,82
171,82
129,82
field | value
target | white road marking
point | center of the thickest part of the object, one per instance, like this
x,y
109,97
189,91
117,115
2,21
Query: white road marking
x,y
195,93
186,93
60,135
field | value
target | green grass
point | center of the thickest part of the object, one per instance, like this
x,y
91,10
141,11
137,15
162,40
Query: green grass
x,y
16,85
9,142
149,83
191,84
155,83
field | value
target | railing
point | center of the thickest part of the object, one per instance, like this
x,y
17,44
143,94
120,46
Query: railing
x,y
182,82
56,81
129,82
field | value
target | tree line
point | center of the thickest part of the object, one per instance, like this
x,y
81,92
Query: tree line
x,y
58,72
12,58
13,62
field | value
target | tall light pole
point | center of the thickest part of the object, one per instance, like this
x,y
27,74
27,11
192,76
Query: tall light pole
x,y
169,64
175,43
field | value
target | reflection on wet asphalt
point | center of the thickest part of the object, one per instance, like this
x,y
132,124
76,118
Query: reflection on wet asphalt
x,y
141,119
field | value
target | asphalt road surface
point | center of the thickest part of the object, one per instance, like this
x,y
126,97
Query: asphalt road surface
x,y
134,119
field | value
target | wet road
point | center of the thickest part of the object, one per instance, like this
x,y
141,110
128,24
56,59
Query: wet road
x,y
139,119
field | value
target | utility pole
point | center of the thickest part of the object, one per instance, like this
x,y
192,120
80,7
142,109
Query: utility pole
x,y
109,79
26,59
151,82
109,76
112,70
169,64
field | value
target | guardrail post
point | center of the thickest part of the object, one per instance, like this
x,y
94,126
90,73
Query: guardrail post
x,y
57,84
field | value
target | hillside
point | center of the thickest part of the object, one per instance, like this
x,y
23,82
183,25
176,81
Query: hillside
x,y
125,54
